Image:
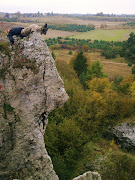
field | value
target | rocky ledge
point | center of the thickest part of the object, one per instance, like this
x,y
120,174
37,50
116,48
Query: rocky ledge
x,y
30,87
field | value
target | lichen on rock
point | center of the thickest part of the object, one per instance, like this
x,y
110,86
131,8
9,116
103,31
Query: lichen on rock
x,y
89,176
29,90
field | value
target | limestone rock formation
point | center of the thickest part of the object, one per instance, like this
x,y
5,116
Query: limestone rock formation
x,y
88,176
30,87
125,135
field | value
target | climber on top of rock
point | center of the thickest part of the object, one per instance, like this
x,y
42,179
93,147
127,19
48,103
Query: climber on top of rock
x,y
23,32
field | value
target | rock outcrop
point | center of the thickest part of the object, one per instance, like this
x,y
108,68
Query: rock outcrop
x,y
125,135
89,176
30,87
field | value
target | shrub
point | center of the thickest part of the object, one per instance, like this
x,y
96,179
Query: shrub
x,y
130,64
118,165
4,48
53,55
70,52
133,69
103,25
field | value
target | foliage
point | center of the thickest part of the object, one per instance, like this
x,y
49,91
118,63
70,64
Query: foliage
x,y
95,70
53,55
70,52
72,27
4,48
132,90
85,47
4,71
130,64
130,23
99,85
128,48
118,166
9,19
80,63
8,107
75,133
109,53
133,69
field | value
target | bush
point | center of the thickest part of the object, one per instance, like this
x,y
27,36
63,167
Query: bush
x,y
130,64
133,69
4,48
70,53
109,53
118,166
53,55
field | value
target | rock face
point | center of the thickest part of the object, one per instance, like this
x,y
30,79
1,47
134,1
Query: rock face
x,y
30,87
88,176
125,135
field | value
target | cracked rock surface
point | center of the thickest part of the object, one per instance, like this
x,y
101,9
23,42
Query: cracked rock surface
x,y
30,88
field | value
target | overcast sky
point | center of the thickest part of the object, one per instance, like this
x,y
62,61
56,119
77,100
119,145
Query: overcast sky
x,y
69,6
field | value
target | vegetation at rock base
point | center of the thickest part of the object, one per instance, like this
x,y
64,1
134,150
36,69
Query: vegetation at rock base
x,y
53,55
4,48
77,137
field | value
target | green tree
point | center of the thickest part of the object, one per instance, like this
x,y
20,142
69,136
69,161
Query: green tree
x,y
80,63
95,70
131,39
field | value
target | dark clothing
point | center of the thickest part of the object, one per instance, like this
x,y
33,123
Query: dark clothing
x,y
14,31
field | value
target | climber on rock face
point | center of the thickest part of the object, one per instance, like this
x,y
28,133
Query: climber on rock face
x,y
23,32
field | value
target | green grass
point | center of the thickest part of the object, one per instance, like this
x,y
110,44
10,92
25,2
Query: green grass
x,y
107,35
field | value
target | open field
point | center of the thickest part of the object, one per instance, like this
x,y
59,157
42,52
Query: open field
x,y
74,20
106,35
110,67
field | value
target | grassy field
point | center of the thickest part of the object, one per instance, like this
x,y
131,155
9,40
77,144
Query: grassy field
x,y
112,67
107,35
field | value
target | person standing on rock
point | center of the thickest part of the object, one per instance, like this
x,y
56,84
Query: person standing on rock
x,y
23,32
